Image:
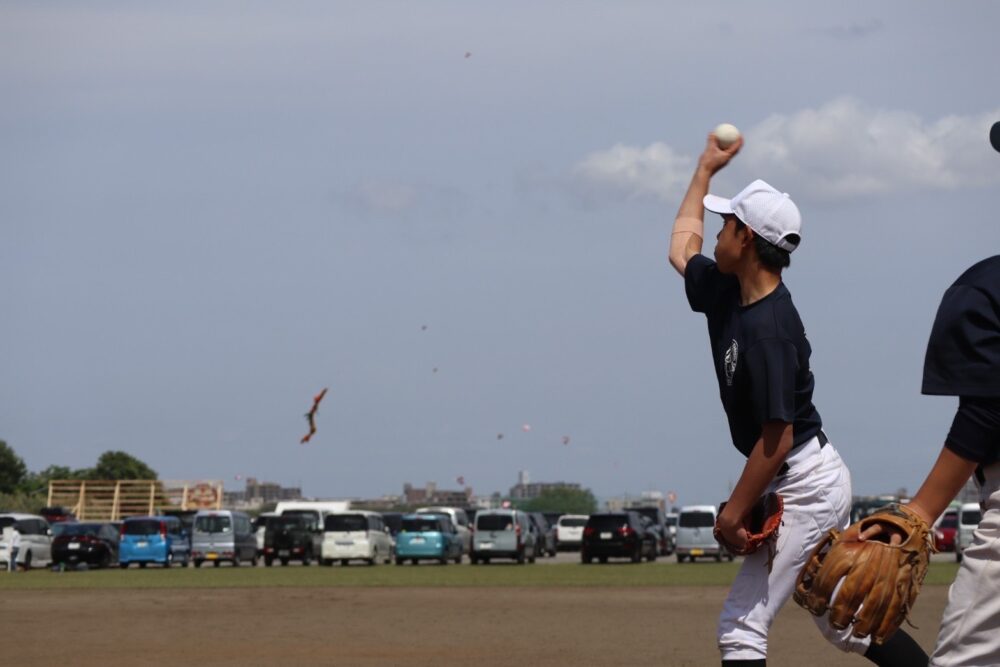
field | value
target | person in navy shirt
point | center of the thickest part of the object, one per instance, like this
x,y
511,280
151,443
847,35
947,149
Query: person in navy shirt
x,y
762,364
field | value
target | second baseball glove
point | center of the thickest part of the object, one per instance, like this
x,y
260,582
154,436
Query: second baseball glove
x,y
878,580
761,524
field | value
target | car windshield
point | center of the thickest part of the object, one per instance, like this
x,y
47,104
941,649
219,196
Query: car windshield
x,y
345,523
494,522
142,527
212,523
950,521
286,522
970,517
608,521
428,525
697,520
570,522
74,529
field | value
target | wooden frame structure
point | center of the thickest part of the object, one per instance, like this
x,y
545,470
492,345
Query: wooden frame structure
x,y
113,500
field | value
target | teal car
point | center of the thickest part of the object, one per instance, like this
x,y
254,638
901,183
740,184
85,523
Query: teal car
x,y
428,537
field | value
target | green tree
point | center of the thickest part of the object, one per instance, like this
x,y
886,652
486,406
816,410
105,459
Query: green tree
x,y
564,500
121,465
12,469
38,482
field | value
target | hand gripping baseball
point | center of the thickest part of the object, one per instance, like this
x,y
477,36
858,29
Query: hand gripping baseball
x,y
761,525
879,563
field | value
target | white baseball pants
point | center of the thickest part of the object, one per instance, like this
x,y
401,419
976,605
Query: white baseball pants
x,y
970,627
817,495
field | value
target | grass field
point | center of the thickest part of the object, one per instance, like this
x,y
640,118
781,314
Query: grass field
x,y
562,575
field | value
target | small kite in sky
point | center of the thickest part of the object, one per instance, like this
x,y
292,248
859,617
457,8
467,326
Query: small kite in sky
x,y
460,480
468,54
499,436
565,439
526,427
423,327
435,369
311,417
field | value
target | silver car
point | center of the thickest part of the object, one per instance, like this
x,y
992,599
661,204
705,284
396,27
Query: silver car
x,y
503,534
223,535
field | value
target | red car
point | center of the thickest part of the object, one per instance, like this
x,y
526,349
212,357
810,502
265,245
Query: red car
x,y
944,531
57,514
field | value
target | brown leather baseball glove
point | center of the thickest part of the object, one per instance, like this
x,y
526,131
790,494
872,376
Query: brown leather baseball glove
x,y
761,524
880,580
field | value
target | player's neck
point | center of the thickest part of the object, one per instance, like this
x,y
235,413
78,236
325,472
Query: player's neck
x,y
756,282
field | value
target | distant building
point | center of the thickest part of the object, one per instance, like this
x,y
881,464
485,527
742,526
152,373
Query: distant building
x,y
526,490
258,493
431,495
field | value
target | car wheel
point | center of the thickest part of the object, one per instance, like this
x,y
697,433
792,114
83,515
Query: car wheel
x,y
652,557
680,558
520,558
197,562
473,560
344,562
603,559
327,562
413,561
308,558
254,560
123,566
27,562
585,559
637,555
730,557
268,562
718,557
142,565
284,562
216,563
443,561
105,561
958,556
458,558
399,561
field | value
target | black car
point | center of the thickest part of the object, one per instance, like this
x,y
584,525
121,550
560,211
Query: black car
x,y
287,538
546,539
93,544
659,519
617,535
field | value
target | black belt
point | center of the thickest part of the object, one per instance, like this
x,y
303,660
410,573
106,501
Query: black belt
x,y
823,442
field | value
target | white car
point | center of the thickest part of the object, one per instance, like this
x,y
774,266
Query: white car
x,y
356,535
260,526
36,540
459,518
569,531
969,516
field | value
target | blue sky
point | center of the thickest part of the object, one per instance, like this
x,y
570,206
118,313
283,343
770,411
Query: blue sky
x,y
211,212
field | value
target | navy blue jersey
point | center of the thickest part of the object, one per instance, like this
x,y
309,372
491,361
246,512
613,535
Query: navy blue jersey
x,y
963,359
761,355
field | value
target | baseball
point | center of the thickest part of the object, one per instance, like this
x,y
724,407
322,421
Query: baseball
x,y
727,135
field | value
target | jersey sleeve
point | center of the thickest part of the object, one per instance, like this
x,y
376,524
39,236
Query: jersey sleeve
x,y
975,431
963,353
702,282
773,365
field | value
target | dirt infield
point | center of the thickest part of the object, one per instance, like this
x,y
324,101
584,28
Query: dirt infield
x,y
400,626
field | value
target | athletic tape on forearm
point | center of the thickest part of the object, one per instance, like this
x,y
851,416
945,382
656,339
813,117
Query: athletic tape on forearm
x,y
694,226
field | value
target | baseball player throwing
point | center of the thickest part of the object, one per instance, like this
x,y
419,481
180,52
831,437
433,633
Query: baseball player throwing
x,y
761,357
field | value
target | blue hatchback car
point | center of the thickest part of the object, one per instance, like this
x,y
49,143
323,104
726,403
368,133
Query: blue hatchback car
x,y
153,539
428,537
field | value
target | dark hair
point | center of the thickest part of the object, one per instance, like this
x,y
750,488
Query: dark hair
x,y
771,256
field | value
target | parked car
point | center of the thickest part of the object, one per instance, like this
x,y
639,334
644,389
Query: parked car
x,y
617,535
969,516
259,526
460,520
569,531
288,538
393,521
314,519
552,517
659,521
36,539
56,514
672,519
223,535
186,517
153,539
503,533
89,543
428,536
695,536
356,535
944,530
546,545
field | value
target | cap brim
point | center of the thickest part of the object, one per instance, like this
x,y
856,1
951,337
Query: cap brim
x,y
717,204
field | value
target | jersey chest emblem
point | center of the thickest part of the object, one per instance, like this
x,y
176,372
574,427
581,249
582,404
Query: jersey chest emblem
x,y
729,362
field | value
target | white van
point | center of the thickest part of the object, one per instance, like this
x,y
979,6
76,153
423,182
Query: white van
x,y
459,518
36,540
356,535
695,534
969,516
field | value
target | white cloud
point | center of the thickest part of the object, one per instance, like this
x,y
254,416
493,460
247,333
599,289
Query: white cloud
x,y
844,149
635,172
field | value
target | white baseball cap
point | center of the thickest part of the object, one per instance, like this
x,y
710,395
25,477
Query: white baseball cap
x,y
765,210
